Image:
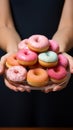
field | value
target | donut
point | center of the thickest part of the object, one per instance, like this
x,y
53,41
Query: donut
x,y
54,46
57,74
23,44
37,77
26,57
16,74
36,65
62,60
48,59
11,61
38,43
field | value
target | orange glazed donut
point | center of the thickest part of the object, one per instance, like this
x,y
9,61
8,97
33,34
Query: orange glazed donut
x,y
38,43
11,61
37,77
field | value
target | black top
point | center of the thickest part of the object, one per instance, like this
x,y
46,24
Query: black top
x,y
36,16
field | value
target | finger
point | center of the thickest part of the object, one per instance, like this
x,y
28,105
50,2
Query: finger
x,y
23,88
49,88
20,89
70,59
1,69
60,87
10,86
57,88
63,84
3,59
2,62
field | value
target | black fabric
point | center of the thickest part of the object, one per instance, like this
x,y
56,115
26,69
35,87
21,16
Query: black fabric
x,y
36,108
36,16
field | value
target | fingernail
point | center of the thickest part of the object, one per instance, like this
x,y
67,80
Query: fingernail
x,y
20,89
54,89
28,90
46,91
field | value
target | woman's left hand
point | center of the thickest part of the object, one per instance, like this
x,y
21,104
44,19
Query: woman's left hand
x,y
55,87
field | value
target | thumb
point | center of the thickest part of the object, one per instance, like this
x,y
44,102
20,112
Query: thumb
x,y
2,62
70,59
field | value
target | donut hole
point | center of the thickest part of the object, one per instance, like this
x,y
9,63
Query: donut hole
x,y
15,58
26,53
36,40
36,73
16,71
56,69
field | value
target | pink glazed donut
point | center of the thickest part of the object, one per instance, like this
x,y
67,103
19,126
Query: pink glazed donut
x,y
54,46
57,74
16,74
23,44
38,43
26,57
62,60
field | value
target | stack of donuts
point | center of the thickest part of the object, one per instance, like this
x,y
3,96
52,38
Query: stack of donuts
x,y
37,63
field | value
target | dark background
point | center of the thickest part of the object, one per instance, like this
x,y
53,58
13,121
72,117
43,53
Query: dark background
x,y
54,109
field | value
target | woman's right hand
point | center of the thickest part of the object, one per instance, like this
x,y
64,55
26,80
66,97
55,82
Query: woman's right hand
x,y
9,40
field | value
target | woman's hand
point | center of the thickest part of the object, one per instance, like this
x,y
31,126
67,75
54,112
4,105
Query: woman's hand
x,y
55,87
62,37
9,40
